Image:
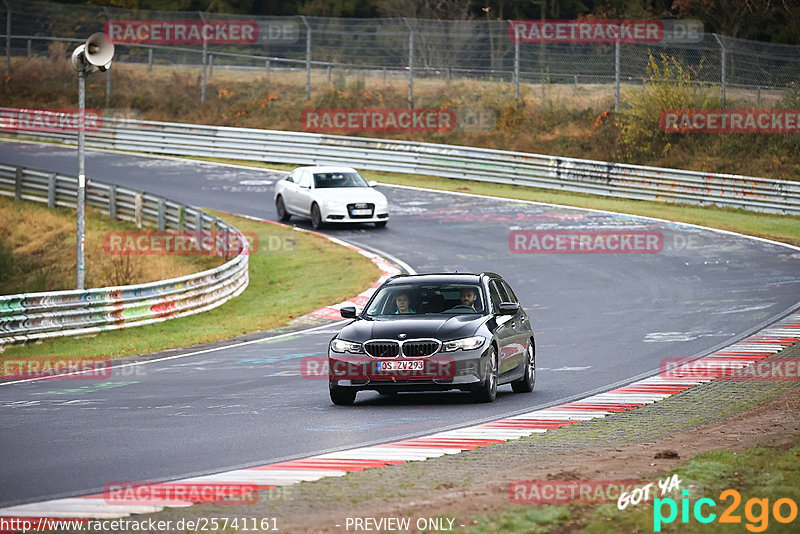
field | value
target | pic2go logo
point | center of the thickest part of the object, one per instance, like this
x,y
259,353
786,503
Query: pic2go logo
x,y
756,511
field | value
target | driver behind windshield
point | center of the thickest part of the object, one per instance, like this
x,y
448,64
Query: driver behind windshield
x,y
468,297
403,304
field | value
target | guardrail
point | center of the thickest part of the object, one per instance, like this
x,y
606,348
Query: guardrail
x,y
30,316
489,165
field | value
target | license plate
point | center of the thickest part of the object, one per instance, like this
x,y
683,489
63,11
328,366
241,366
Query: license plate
x,y
416,365
362,212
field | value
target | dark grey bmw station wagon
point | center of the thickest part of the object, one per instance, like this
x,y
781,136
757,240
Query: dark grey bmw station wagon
x,y
434,332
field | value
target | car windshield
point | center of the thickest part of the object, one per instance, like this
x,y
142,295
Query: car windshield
x,y
426,298
326,180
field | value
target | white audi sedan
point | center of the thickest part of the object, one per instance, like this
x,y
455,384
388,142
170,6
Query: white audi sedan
x,y
330,195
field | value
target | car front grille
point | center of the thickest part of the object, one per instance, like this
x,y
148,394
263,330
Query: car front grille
x,y
361,213
382,349
421,348
412,348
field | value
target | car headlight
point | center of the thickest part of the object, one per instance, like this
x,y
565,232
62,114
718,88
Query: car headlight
x,y
381,202
331,204
467,343
340,345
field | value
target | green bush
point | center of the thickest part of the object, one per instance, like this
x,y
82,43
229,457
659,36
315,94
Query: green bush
x,y
669,85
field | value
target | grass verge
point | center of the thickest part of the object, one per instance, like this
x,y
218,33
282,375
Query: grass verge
x,y
37,251
291,274
760,476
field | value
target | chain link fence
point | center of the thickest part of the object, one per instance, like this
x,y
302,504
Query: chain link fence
x,y
308,49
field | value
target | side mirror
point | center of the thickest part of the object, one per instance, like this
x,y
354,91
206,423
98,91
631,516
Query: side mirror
x,y
372,183
508,308
348,312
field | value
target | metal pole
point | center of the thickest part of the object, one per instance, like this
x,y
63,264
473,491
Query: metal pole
x,y
80,267
8,43
616,75
205,60
308,58
149,60
516,70
108,72
210,66
724,66
410,63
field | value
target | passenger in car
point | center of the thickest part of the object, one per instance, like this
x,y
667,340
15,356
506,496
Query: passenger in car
x,y
403,304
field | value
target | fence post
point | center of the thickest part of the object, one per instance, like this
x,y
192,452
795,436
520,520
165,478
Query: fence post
x,y
267,67
210,66
149,60
617,54
410,63
112,201
8,43
51,190
516,70
204,60
137,209
724,73
759,97
18,185
308,57
161,213
30,48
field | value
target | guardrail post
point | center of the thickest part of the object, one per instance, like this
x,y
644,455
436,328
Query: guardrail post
x,y
30,48
161,209
410,64
181,218
308,57
137,209
112,201
210,66
329,73
267,67
18,185
758,97
149,60
51,190
198,221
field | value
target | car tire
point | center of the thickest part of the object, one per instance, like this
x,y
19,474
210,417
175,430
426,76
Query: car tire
x,y
380,224
528,380
316,217
488,391
280,207
341,396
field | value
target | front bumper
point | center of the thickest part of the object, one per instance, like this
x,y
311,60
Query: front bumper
x,y
444,370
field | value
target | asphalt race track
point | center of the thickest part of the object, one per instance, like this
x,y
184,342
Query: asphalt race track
x,y
600,319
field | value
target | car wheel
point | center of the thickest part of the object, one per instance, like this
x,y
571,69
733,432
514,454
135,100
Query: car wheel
x,y
341,396
526,383
488,391
283,215
316,218
380,224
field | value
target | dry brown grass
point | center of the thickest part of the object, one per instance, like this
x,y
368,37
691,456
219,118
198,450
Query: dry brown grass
x,y
37,252
552,119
